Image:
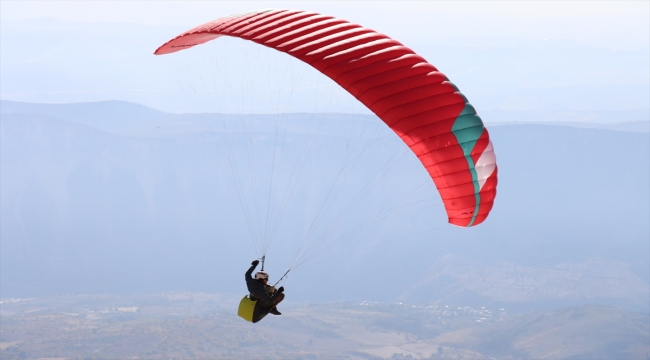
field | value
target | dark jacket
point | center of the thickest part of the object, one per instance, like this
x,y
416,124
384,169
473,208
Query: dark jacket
x,y
256,288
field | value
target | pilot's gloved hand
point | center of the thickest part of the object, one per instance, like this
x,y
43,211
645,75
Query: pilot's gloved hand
x,y
281,289
255,262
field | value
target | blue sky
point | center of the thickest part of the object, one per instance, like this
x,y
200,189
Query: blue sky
x,y
616,24
558,61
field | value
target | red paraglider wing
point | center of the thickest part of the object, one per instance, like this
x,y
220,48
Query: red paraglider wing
x,y
410,95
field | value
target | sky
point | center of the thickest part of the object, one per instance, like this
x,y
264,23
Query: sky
x,y
619,24
578,61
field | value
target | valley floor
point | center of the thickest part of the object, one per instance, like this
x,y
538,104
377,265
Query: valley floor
x,y
205,326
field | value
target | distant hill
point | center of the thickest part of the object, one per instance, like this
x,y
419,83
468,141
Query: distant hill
x,y
642,126
119,198
129,119
585,332
456,280
111,116
620,120
125,118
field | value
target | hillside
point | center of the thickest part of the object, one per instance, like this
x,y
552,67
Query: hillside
x,y
98,206
586,332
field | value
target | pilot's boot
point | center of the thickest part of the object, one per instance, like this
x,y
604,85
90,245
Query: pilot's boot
x,y
275,311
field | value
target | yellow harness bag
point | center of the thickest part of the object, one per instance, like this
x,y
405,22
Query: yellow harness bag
x,y
246,308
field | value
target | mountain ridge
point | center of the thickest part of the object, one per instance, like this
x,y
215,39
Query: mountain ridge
x,y
142,114
77,201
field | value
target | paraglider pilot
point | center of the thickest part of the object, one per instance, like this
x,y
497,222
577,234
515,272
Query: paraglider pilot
x,y
266,295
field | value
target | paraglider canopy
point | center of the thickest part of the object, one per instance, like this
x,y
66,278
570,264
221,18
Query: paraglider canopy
x,y
410,95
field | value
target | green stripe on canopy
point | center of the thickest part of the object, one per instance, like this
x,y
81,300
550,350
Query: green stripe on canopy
x,y
467,129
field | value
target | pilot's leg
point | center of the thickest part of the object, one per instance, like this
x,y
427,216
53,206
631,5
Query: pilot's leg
x,y
274,309
260,312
